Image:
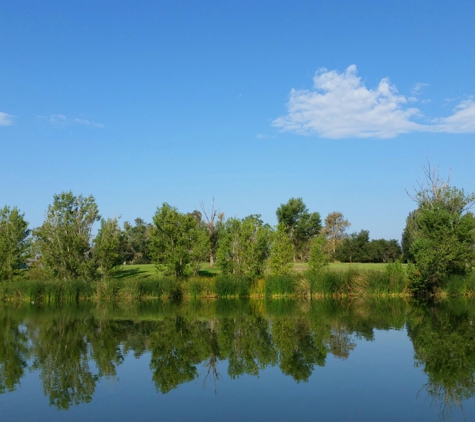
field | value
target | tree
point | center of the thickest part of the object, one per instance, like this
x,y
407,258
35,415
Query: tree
x,y
214,224
334,231
300,225
318,257
14,242
135,247
408,236
244,246
281,252
382,250
107,246
177,243
443,235
64,239
354,248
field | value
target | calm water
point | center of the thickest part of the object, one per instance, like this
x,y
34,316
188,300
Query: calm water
x,y
245,360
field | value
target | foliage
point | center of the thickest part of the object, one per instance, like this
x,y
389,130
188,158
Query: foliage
x,y
136,242
64,239
442,235
244,247
408,236
358,248
281,252
178,244
14,243
318,257
107,245
334,232
281,285
300,225
232,286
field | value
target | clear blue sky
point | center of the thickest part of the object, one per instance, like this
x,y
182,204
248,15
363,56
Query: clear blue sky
x,y
250,102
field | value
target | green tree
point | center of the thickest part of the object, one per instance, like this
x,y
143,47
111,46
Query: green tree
x,y
334,232
408,236
354,248
443,234
281,252
135,247
318,257
244,246
107,246
300,225
14,242
64,240
178,245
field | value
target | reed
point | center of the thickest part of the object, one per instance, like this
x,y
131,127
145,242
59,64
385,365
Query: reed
x,y
281,285
228,286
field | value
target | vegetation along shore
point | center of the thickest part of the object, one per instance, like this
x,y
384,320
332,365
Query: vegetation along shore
x,y
66,258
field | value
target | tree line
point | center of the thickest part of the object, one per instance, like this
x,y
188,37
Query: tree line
x,y
438,240
64,247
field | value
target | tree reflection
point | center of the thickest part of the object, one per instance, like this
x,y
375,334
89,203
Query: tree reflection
x,y
74,348
14,352
444,343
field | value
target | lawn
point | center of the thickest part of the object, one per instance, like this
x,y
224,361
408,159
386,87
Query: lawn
x,y
147,270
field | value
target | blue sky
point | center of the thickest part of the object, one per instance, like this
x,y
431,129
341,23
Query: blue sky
x,y
250,102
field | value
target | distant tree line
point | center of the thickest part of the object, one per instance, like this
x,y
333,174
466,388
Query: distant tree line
x,y
438,240
64,246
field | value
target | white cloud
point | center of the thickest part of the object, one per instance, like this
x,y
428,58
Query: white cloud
x,y
60,119
341,106
462,121
6,119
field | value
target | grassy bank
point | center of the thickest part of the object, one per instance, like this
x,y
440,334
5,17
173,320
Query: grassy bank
x,y
141,282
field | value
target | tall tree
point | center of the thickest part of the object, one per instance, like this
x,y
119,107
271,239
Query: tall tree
x,y
334,231
214,224
244,246
14,242
64,240
444,237
135,248
318,257
300,225
178,244
281,252
107,246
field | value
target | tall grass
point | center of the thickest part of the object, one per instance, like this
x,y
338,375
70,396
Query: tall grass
x,y
229,286
392,280
281,285
354,282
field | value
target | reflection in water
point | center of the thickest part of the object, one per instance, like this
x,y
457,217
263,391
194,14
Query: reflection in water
x,y
444,342
73,348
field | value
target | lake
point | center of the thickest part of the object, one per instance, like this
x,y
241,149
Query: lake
x,y
274,360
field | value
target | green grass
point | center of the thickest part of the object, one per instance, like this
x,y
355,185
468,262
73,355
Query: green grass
x,y
345,266
149,270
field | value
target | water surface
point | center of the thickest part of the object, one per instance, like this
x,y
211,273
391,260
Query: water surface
x,y
239,360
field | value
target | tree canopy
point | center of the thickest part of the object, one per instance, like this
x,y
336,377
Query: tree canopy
x,y
64,240
440,233
178,244
14,242
300,225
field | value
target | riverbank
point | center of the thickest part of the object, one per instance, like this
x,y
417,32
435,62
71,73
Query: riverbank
x,y
391,281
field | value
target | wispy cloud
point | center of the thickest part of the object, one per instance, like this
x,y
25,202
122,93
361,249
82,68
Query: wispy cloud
x,y
341,106
60,119
6,119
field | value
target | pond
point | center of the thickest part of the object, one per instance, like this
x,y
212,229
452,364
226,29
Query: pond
x,y
239,360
